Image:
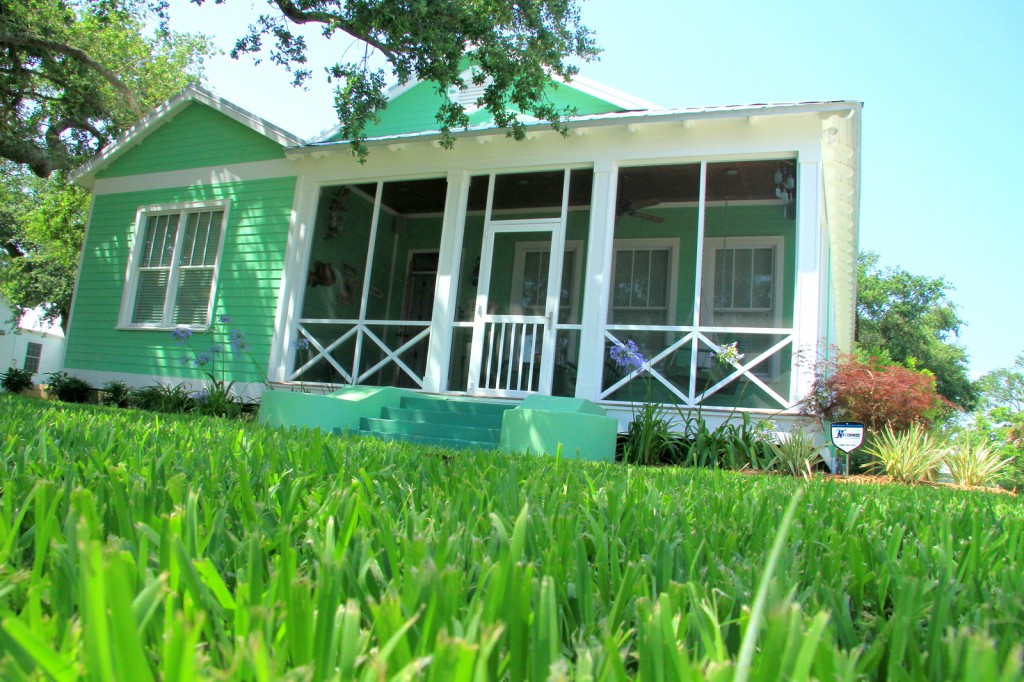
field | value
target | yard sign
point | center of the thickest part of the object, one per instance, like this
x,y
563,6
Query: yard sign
x,y
847,436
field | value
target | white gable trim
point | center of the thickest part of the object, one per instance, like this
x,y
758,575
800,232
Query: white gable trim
x,y
608,94
86,175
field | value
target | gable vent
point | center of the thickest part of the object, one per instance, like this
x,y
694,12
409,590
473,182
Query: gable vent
x,y
467,96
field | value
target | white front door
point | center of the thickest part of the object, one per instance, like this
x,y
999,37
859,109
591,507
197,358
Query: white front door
x,y
516,307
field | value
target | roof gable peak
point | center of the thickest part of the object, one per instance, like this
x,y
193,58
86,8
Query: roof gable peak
x,y
86,174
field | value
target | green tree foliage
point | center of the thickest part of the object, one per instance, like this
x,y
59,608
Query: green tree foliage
x,y
1003,389
75,74
911,320
42,222
516,47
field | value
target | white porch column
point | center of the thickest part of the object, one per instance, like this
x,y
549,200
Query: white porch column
x,y
446,288
293,279
595,283
808,271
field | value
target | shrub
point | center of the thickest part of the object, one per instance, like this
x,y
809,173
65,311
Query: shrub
x,y
796,453
217,401
880,395
746,444
909,456
116,394
975,465
69,389
16,380
164,398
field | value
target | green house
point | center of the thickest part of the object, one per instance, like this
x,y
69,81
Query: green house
x,y
496,270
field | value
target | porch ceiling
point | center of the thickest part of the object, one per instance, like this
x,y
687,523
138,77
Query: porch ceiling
x,y
645,186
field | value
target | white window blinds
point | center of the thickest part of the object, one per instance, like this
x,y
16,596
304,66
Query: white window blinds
x,y
177,261
744,279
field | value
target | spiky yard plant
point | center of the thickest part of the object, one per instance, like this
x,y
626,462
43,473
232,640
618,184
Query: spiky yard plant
x,y
796,454
908,456
975,465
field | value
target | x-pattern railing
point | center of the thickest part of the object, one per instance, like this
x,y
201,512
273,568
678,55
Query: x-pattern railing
x,y
699,335
323,351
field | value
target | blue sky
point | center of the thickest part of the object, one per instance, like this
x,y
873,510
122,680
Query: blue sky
x,y
940,82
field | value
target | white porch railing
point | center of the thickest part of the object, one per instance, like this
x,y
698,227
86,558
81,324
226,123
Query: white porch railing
x,y
322,349
699,343
512,346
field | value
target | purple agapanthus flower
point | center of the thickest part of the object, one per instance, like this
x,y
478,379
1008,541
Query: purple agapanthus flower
x,y
216,348
224,319
181,334
202,396
299,344
184,360
203,359
238,342
628,356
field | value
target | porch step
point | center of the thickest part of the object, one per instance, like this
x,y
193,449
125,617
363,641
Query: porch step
x,y
458,405
450,417
448,443
458,424
435,430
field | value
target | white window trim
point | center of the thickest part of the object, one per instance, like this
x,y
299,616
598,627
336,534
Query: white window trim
x,y
132,273
651,244
572,247
713,244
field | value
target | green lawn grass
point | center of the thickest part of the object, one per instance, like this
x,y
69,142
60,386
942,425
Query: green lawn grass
x,y
137,547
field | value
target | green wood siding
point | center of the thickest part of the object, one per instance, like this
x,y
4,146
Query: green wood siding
x,y
415,110
196,137
247,289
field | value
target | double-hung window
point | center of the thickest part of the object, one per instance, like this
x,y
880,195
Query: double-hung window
x,y
742,281
33,355
173,269
643,281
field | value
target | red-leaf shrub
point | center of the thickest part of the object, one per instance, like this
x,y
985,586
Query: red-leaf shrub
x,y
876,394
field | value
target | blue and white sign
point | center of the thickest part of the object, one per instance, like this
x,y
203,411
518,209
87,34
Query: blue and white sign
x,y
847,436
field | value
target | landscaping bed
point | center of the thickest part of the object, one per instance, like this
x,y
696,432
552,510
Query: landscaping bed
x,y
137,546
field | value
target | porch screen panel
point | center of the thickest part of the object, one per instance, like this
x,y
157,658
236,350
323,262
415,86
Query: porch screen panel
x,y
577,241
472,242
402,274
749,245
334,285
654,262
372,287
748,280
518,196
337,256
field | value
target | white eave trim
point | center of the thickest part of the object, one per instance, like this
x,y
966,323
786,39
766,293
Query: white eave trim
x,y
84,175
610,119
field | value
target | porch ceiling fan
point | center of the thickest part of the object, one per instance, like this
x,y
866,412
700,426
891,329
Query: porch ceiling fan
x,y
625,204
634,209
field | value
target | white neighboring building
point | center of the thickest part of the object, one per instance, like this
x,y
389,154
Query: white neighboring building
x,y
35,345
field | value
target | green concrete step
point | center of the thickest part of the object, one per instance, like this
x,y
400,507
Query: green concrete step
x,y
460,406
400,428
449,417
448,443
